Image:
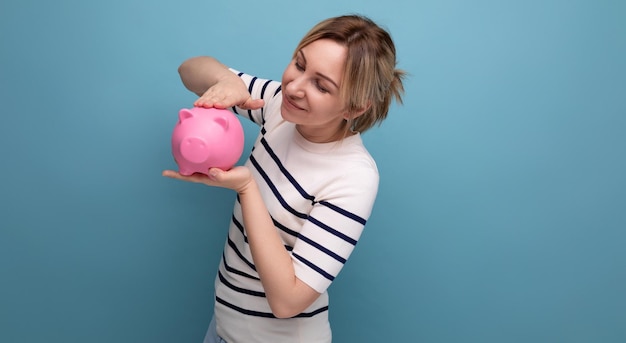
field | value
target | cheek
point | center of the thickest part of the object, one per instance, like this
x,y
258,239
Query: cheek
x,y
288,75
328,103
327,107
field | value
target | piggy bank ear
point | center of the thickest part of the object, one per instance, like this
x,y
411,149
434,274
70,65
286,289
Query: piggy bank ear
x,y
221,121
184,114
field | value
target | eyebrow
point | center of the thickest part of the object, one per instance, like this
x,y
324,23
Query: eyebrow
x,y
301,53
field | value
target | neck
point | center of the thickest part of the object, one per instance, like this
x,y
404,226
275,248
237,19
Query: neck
x,y
322,136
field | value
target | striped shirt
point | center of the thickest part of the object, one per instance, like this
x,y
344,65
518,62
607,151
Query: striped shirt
x,y
319,196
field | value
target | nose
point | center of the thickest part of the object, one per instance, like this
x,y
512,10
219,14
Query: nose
x,y
295,87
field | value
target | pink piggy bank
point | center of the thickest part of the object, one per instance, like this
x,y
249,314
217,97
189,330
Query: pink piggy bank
x,y
205,138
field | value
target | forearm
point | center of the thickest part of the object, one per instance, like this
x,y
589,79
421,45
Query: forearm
x,y
286,294
200,73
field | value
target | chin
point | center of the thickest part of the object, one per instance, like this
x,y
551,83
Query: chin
x,y
285,113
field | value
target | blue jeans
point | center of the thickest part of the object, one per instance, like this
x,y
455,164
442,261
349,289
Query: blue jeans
x,y
211,334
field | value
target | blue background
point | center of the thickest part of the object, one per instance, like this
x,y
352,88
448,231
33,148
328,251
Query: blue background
x,y
501,215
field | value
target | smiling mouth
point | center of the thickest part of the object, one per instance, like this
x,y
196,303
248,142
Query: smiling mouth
x,y
291,104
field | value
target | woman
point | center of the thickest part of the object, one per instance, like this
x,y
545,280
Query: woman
x,y
309,185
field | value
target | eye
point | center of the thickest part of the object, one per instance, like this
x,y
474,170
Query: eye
x,y
299,66
320,87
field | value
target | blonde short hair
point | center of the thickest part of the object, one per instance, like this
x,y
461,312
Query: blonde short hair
x,y
371,79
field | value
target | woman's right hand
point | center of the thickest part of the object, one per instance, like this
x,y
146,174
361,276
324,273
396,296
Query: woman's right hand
x,y
227,92
216,85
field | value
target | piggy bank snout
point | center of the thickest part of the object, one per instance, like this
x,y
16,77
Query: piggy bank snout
x,y
194,149
206,138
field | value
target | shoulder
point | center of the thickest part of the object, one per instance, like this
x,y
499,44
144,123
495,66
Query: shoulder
x,y
260,87
268,90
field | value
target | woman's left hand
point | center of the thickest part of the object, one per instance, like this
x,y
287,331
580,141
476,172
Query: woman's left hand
x,y
238,178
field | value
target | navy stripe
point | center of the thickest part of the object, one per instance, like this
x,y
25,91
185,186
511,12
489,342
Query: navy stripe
x,y
234,108
280,88
240,227
333,231
314,267
233,246
311,314
284,228
243,310
250,87
266,314
236,271
275,191
286,173
322,248
310,241
263,89
344,212
239,289
267,82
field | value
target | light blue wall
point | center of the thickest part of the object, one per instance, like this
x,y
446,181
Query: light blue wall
x,y
501,215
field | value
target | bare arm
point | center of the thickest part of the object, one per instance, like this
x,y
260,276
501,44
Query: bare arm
x,y
201,73
286,294
215,84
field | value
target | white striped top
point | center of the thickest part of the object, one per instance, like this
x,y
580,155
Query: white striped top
x,y
319,196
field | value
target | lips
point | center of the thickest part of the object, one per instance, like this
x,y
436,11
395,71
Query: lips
x,y
290,103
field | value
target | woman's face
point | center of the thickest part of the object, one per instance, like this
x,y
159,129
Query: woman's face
x,y
310,85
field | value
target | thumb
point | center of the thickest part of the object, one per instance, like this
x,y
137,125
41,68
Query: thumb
x,y
253,104
215,173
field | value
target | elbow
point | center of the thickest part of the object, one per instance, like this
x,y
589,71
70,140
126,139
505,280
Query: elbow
x,y
181,69
185,70
196,73
183,74
193,64
184,66
287,304
284,311
284,314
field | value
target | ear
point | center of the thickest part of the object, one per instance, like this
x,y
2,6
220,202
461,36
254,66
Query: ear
x,y
221,121
357,113
184,114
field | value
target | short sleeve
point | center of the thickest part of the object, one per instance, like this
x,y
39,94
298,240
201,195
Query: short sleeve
x,y
268,90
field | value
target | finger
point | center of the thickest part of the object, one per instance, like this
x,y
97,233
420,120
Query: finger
x,y
169,173
204,102
219,105
216,174
253,104
196,177
211,102
208,99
